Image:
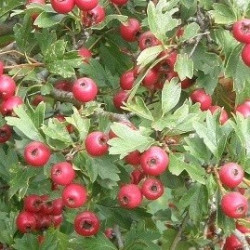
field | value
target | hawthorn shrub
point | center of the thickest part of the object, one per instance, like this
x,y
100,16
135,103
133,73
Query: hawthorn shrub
x,y
124,124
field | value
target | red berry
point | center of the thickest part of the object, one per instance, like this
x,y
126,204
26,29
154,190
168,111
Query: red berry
x,y
169,61
120,98
246,54
26,222
136,176
62,173
186,83
150,79
127,80
243,229
234,205
87,224
1,68
47,205
223,113
57,220
43,222
85,54
57,206
36,154
133,158
37,99
205,100
36,1
244,109
154,161
8,106
119,2
74,195
7,87
165,76
32,203
130,30
241,31
232,243
130,196
62,6
152,189
147,39
86,4
85,89
63,85
5,133
94,16
109,233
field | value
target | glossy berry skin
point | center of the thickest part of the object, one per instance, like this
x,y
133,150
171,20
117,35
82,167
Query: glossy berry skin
x,y
150,79
130,30
245,54
147,39
56,220
241,31
85,54
36,1
186,83
32,203
94,16
205,100
43,221
87,224
63,85
133,158
62,6
130,196
86,4
1,68
37,99
232,243
223,113
127,80
7,87
26,222
243,109
36,154
120,98
154,161
84,89
5,133
57,206
109,233
74,195
119,2
152,189
8,106
136,176
62,173
47,205
234,205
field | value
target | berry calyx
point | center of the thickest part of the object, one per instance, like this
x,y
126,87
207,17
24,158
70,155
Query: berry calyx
x,y
205,100
130,30
62,6
152,189
32,203
147,39
26,222
47,205
241,31
94,16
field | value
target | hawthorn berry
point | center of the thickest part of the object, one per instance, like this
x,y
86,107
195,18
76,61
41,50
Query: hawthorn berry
x,y
205,100
85,54
7,87
8,106
186,83
133,158
84,89
5,133
241,31
63,6
57,205
86,4
245,54
154,161
62,173
242,228
1,68
96,143
232,243
234,205
147,39
119,2
223,113
36,154
152,189
109,233
130,30
63,85
32,203
127,80
136,176
130,196
243,109
47,205
87,223
231,174
36,1
94,16
37,99
26,222
43,222
119,98
56,220
74,195
150,79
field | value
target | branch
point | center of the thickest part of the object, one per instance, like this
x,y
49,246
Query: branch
x,y
242,238
118,236
7,28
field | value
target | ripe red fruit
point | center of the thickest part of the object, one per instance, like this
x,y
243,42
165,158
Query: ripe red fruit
x,y
87,224
85,54
62,173
74,195
244,109
136,176
7,107
154,161
61,118
147,39
119,2
223,113
150,79
130,30
232,243
152,189
43,221
47,205
63,85
62,6
94,16
133,158
231,174
130,196
37,99
26,222
243,229
186,83
86,4
96,143
166,75
5,133
120,98
36,1
127,80
32,203
84,89
1,67
57,220
234,205
57,206
109,233
205,100
168,63
7,87
245,54
241,31
36,154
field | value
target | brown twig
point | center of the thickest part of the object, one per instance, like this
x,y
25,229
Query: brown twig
x,y
242,238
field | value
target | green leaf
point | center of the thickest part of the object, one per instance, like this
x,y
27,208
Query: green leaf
x,y
148,55
222,221
7,227
127,142
45,38
190,31
28,241
39,114
46,19
184,66
55,50
170,95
